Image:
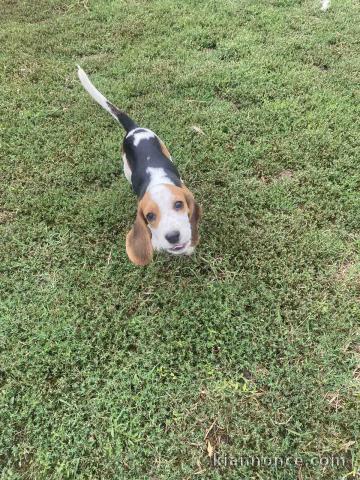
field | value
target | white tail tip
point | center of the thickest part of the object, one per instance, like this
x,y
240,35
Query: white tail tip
x,y
93,91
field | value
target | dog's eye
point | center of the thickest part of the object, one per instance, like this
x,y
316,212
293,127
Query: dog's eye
x,y
178,205
150,217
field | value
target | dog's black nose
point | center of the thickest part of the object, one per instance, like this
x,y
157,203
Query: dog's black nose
x,y
173,237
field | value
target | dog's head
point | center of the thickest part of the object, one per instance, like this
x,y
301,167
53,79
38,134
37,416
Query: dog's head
x,y
167,219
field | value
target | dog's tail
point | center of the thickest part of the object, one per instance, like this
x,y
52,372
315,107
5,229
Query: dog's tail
x,y
120,116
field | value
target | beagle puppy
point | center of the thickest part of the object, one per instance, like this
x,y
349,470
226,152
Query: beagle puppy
x,y
167,215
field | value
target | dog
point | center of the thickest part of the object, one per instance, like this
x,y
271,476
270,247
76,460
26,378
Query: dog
x,y
167,216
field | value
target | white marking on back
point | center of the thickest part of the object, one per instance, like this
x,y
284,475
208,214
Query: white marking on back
x,y
325,4
157,177
94,92
138,136
132,132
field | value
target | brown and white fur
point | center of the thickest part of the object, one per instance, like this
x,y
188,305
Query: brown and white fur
x,y
167,214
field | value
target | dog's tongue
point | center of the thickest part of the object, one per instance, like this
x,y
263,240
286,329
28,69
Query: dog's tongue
x,y
178,247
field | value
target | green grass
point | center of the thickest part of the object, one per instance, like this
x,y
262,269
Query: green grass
x,y
110,371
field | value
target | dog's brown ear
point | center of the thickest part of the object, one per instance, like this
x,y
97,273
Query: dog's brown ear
x,y
194,215
138,241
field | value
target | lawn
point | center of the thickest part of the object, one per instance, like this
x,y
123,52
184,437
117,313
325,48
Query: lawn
x,y
250,348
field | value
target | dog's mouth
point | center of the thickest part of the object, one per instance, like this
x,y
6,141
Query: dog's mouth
x,y
179,247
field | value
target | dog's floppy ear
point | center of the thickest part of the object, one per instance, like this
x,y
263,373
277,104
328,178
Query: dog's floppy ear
x,y
138,241
194,215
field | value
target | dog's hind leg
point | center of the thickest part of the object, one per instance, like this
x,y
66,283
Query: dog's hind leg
x,y
127,170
